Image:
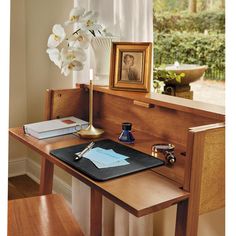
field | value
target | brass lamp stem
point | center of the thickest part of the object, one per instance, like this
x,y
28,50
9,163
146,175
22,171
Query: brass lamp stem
x,y
90,131
91,102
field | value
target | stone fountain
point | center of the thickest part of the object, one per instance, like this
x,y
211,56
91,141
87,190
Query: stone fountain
x,y
192,73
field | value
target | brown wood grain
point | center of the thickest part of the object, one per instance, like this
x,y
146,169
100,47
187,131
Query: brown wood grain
x,y
121,191
46,177
110,110
45,216
186,124
143,104
194,107
212,194
66,102
204,172
96,213
195,182
167,123
48,104
181,218
22,186
219,155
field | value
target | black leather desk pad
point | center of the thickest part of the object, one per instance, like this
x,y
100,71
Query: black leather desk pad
x,y
138,160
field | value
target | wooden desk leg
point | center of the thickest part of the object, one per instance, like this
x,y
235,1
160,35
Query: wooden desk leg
x,y
181,218
96,213
46,178
187,218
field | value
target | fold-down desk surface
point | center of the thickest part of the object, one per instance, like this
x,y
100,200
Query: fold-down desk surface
x,y
140,193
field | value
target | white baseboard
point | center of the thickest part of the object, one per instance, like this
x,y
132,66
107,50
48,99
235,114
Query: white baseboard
x,y
17,167
59,186
32,169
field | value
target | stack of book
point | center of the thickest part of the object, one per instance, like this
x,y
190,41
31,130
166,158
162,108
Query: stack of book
x,y
52,128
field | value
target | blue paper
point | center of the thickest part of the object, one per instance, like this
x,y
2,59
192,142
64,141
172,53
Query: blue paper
x,y
115,164
104,158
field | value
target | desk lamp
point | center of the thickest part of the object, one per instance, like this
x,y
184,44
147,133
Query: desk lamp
x,y
90,131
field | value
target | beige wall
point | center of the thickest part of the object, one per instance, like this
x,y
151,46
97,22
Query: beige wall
x,y
41,73
31,71
18,93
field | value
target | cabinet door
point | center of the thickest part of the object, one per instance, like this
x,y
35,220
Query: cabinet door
x,y
205,171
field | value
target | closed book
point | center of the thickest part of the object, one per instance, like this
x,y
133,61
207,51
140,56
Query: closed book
x,y
52,128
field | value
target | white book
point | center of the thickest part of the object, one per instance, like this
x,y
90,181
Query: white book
x,y
52,128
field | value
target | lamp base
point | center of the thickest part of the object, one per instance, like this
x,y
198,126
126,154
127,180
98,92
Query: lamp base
x,y
90,132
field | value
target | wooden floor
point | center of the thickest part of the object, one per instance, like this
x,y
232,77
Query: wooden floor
x,y
22,186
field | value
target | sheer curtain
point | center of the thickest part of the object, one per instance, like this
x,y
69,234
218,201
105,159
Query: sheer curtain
x,y
131,21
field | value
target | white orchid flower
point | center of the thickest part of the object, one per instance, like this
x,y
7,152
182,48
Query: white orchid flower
x,y
72,60
79,39
68,55
75,15
57,37
55,56
89,22
67,51
72,66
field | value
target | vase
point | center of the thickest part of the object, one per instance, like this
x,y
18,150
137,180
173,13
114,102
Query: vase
x,y
101,47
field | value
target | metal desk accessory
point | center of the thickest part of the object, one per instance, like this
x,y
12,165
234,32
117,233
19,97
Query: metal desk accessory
x,y
167,150
79,155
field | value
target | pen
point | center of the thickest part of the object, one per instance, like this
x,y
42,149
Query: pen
x,y
79,155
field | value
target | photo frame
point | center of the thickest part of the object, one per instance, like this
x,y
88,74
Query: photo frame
x,y
130,66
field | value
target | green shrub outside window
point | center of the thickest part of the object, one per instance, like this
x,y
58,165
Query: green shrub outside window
x,y
192,39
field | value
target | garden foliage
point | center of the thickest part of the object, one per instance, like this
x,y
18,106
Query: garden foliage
x,y
181,37
212,21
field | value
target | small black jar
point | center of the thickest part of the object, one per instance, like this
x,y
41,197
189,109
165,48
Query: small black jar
x,y
126,135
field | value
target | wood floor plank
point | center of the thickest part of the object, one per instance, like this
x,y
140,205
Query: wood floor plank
x,y
22,186
41,216
13,192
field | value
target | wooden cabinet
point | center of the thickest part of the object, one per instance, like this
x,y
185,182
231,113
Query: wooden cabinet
x,y
195,182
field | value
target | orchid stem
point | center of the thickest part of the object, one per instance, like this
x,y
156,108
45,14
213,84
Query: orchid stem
x,y
76,32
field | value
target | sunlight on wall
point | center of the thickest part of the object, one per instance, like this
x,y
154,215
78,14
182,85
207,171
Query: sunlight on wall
x,y
31,71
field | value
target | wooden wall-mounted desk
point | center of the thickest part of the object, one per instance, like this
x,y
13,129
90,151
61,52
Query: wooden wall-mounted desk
x,y
197,131
156,192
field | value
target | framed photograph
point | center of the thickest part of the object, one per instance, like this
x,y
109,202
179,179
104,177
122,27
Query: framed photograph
x,y
130,66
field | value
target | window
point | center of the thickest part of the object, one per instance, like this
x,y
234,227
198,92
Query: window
x,y
192,32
